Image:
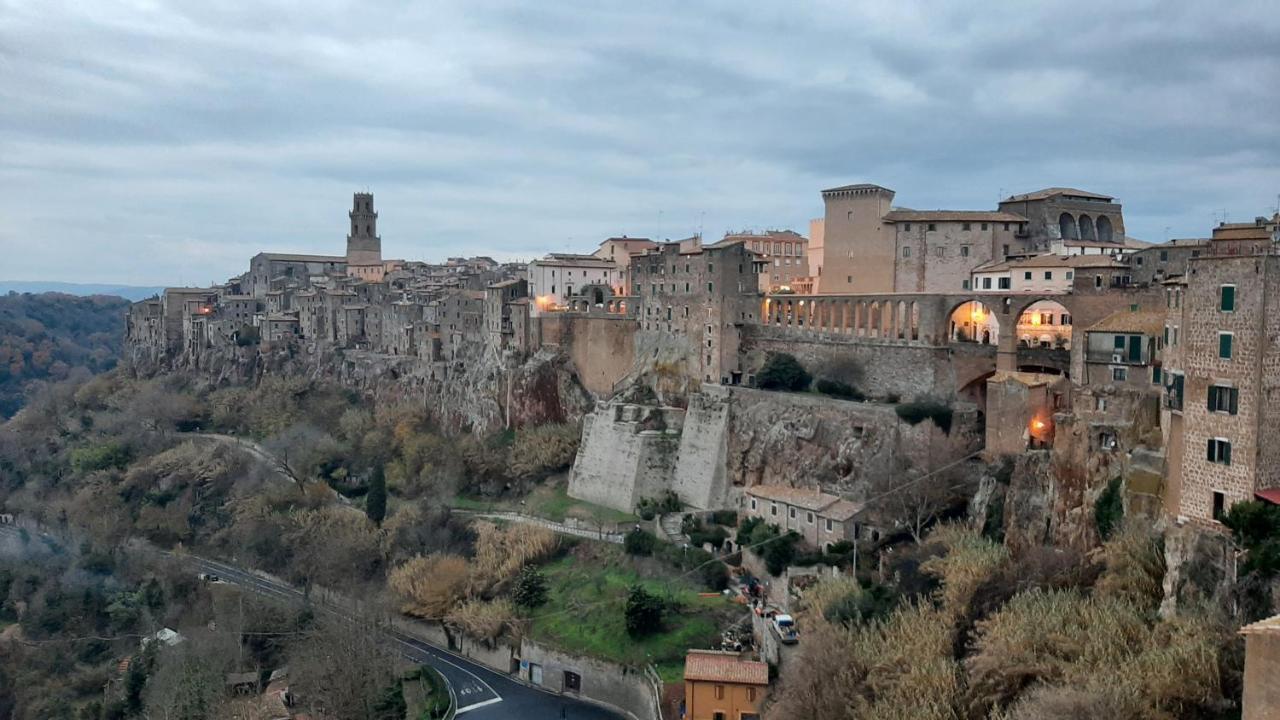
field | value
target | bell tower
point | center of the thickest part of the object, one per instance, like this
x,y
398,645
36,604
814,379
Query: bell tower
x,y
364,247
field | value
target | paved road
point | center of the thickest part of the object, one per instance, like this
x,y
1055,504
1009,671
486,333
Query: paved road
x,y
483,694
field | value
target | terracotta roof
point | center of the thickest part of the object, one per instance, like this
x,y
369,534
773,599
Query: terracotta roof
x,y
905,215
1270,626
1148,322
1271,495
1050,260
1055,191
841,511
807,498
726,667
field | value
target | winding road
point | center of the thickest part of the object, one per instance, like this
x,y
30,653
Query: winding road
x,y
482,693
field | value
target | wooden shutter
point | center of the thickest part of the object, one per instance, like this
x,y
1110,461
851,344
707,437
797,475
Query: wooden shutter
x,y
1226,453
1209,455
1213,398
1235,401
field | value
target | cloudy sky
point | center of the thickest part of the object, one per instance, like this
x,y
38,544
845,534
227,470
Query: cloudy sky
x,y
162,142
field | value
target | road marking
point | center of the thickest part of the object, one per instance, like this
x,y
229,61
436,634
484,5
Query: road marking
x,y
475,706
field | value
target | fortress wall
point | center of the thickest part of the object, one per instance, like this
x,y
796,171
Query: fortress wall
x,y
602,348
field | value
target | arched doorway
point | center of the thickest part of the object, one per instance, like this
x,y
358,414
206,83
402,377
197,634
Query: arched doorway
x,y
1086,228
972,321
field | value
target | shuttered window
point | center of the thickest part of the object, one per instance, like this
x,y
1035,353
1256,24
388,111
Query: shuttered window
x,y
1227,297
1224,399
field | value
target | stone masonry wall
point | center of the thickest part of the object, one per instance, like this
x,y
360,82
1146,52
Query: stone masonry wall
x,y
627,453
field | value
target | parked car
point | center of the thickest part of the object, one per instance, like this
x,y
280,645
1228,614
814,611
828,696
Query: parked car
x,y
785,626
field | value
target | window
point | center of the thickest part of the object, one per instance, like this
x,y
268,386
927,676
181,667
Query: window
x,y
1164,256
964,284
907,226
809,518
1224,345
1155,374
964,251
986,283
1097,281
773,508
940,251
1026,275
753,503
984,226
791,512
719,692
1224,399
964,226
1048,274
1006,227
1219,504
710,287
829,525
1107,440
1070,274
751,694
1176,385
1227,298
1066,319
906,252
1220,451
1004,283
932,227
1119,374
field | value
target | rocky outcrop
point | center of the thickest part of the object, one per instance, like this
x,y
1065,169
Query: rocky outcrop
x,y
1199,569
478,390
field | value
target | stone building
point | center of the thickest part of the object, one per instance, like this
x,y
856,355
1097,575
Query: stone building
x,y
1065,220
784,252
695,299
553,279
1123,349
620,250
1220,381
1261,700
820,518
937,250
1161,262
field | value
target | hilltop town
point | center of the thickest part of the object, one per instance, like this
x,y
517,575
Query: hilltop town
x,y
1030,365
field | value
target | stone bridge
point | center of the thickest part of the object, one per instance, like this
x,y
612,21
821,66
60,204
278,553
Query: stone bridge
x,y
930,319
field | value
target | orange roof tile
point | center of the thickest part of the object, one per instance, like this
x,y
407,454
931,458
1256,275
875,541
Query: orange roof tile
x,y
728,667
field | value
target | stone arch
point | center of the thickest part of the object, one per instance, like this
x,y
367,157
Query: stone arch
x,y
1085,224
973,321
599,296
1105,232
1067,227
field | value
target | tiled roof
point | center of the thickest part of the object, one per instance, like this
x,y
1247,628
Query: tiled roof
x,y
842,510
726,667
1055,191
807,498
952,216
1148,322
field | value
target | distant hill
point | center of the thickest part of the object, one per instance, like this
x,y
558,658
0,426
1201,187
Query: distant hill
x,y
47,336
128,292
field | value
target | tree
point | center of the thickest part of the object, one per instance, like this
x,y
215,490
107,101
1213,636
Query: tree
x,y
344,669
375,502
430,586
783,372
639,542
644,612
531,588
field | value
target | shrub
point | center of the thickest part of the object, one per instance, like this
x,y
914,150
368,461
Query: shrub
x,y
783,372
861,606
747,527
835,388
668,502
248,335
639,542
918,411
715,576
728,518
531,588
100,457
715,536
375,503
539,451
1108,510
643,612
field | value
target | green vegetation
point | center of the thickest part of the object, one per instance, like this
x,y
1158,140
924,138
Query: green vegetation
x,y
530,590
782,371
769,542
375,502
1108,509
585,612
644,612
639,542
836,388
668,502
917,411
1255,525
52,337
548,500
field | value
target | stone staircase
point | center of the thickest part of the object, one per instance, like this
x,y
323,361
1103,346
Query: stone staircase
x,y
669,528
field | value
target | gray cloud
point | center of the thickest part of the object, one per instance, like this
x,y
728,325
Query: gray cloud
x,y
156,142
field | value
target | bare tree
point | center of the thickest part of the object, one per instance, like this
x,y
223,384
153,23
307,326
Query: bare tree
x,y
343,668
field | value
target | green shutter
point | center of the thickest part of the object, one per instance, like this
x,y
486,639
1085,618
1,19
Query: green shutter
x,y
1135,348
1213,398
1226,453
1224,346
1119,342
1235,400
1228,298
1209,449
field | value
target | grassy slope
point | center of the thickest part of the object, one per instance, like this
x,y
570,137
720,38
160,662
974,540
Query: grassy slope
x,y
551,501
587,598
